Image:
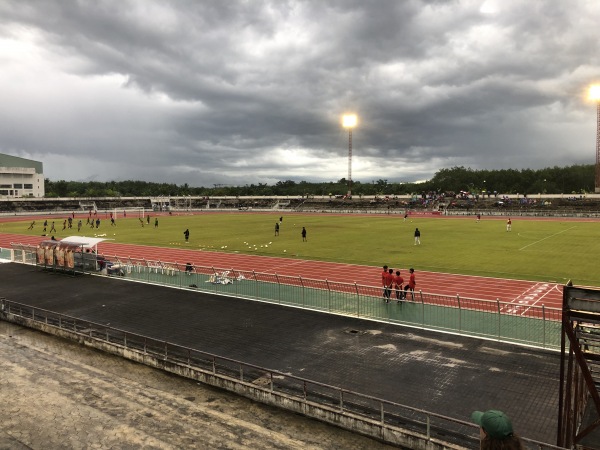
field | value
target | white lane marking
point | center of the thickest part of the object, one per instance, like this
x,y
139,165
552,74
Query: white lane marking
x,y
547,237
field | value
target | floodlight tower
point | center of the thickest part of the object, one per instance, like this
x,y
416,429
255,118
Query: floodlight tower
x,y
349,121
595,97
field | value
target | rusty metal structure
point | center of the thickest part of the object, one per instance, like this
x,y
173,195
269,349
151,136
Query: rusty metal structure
x,y
579,401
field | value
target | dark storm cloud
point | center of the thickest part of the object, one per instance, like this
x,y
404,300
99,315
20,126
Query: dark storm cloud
x,y
243,92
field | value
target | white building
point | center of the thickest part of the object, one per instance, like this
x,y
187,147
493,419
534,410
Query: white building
x,y
20,177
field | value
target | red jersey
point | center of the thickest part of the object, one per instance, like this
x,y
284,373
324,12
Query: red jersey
x,y
399,281
389,280
411,281
384,274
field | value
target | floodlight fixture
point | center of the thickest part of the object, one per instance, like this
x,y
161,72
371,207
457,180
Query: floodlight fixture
x,y
349,120
594,92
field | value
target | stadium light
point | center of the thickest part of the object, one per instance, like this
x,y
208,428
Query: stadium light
x,y
594,95
349,121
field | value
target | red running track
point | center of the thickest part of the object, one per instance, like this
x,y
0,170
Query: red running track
x,y
524,293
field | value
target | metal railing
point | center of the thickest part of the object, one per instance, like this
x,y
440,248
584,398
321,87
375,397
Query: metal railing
x,y
529,325
537,326
382,413
5,253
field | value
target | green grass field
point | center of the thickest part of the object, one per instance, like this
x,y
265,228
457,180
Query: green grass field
x,y
535,250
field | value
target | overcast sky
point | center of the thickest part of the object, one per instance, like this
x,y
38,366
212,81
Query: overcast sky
x,y
240,92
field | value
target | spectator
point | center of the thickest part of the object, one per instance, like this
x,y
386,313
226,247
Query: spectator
x,y
384,273
412,282
399,282
496,431
389,284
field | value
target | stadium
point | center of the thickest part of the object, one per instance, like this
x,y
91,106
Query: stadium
x,y
232,253
299,225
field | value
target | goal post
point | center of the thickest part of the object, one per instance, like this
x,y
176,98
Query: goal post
x,y
134,212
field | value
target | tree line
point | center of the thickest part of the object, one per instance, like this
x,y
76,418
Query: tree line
x,y
576,179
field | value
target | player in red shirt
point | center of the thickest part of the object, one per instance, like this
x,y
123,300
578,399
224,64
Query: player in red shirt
x,y
398,282
411,284
389,284
383,275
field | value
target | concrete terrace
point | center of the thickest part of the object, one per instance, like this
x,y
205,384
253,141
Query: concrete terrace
x,y
442,373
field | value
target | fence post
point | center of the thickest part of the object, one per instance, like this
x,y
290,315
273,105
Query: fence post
x,y
428,427
498,308
255,283
328,295
302,284
459,313
357,300
235,281
278,288
544,325
422,307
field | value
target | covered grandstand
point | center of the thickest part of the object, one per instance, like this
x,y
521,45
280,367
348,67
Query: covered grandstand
x,y
562,205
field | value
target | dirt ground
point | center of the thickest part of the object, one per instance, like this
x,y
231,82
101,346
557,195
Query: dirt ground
x,y
56,394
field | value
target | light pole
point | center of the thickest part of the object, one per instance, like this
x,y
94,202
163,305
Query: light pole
x,y
349,121
594,96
